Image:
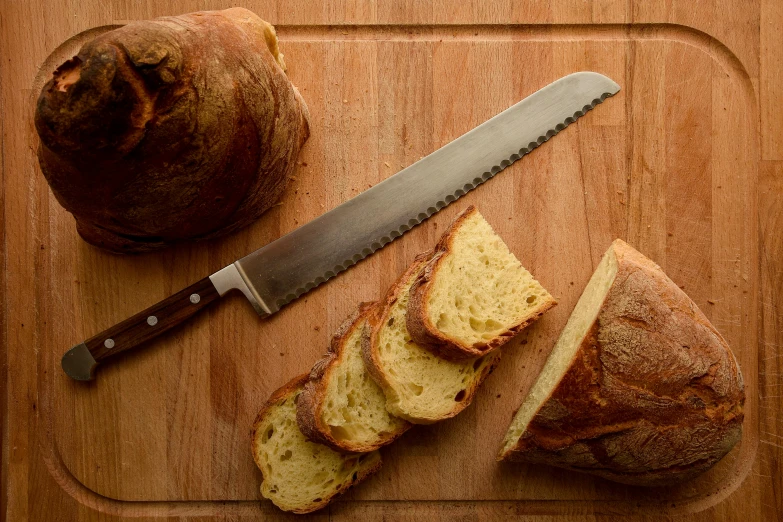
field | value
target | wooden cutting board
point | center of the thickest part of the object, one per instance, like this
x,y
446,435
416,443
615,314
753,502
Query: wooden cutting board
x,y
685,163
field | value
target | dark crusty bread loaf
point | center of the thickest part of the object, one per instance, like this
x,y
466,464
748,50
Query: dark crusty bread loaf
x,y
420,386
341,406
474,294
640,387
298,475
178,128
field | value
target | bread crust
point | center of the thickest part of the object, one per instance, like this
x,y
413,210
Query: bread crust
x,y
376,322
178,128
425,333
311,401
285,392
653,396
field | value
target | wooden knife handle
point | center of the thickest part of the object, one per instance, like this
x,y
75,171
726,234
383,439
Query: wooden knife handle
x,y
153,321
80,361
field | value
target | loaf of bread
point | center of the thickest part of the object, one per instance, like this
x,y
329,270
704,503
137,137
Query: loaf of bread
x,y
178,128
341,406
474,294
299,475
640,387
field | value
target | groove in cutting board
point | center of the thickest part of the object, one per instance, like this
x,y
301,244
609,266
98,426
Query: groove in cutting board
x,y
626,170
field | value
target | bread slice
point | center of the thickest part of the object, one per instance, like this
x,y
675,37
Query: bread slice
x,y
640,387
419,386
299,475
341,406
473,295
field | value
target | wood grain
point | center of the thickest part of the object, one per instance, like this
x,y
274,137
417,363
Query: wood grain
x,y
685,164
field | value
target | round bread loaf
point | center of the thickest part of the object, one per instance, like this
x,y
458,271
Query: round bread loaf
x,y
178,128
640,387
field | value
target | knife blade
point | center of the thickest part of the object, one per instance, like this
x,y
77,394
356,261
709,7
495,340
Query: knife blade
x,y
286,268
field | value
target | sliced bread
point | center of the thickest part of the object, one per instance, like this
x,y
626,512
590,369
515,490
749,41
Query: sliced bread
x,y
419,386
474,294
299,475
341,405
640,387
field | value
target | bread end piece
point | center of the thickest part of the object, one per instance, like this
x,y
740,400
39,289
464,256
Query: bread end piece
x,y
341,405
298,475
473,295
640,387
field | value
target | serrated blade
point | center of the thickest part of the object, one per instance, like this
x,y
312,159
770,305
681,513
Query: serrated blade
x,y
301,260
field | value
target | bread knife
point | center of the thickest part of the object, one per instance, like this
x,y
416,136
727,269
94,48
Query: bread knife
x,y
279,272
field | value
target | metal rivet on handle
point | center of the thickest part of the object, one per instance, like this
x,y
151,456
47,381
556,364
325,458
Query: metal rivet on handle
x,y
195,298
109,343
152,320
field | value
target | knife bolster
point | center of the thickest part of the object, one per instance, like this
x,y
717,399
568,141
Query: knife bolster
x,y
229,278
